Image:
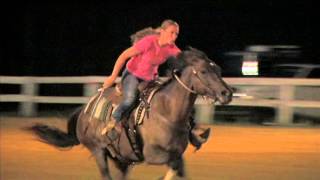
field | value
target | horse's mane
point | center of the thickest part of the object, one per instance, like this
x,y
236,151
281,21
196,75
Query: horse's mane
x,y
185,58
182,60
175,65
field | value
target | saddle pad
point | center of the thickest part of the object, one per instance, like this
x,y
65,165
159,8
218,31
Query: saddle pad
x,y
99,108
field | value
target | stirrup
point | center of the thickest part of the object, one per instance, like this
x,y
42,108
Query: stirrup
x,y
113,131
110,125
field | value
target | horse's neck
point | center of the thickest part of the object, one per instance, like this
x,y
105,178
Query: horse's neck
x,y
178,100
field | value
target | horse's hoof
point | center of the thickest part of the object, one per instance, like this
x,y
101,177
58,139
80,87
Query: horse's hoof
x,y
205,134
198,137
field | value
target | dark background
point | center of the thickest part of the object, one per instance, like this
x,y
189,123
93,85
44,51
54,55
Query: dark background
x,y
85,38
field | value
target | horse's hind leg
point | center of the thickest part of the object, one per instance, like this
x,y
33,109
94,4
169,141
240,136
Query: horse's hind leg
x,y
101,159
121,170
176,168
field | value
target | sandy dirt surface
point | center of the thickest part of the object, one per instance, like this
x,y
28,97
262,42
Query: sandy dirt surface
x,y
233,152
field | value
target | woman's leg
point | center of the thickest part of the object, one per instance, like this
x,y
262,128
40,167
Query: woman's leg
x,y
130,92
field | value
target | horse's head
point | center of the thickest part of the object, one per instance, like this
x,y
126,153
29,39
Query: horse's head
x,y
204,76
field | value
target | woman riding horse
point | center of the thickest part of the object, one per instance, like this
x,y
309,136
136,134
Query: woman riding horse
x,y
150,49
164,133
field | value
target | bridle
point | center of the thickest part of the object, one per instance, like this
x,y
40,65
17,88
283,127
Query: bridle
x,y
182,84
196,74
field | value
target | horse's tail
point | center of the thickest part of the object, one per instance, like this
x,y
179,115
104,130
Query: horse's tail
x,y
56,137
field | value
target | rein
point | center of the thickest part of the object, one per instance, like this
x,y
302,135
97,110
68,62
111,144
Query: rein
x,y
185,86
189,89
201,81
182,84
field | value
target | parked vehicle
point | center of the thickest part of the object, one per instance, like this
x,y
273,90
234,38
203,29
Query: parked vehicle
x,y
271,62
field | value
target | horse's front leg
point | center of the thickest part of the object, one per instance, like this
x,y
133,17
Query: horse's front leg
x,y
176,168
120,171
154,154
101,159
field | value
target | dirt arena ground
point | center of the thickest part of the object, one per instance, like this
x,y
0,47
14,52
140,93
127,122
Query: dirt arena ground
x,y
233,152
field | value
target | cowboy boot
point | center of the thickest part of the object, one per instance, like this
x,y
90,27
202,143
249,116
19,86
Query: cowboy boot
x,y
198,135
110,125
113,129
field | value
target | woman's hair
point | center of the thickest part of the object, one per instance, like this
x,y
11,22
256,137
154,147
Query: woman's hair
x,y
168,22
149,30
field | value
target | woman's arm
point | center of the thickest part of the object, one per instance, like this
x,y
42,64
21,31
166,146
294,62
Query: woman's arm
x,y
124,56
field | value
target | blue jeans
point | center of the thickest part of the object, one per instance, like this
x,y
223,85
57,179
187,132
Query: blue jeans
x,y
130,93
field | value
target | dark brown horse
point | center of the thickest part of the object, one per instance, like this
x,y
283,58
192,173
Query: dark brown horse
x,y
163,135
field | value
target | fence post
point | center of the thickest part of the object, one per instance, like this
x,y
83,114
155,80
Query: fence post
x,y
285,112
29,107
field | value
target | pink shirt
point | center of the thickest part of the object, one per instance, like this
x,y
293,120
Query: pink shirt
x,y
145,64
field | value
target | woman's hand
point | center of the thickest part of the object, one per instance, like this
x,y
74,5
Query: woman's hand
x,y
108,82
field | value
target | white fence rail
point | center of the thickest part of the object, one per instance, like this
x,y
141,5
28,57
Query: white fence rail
x,y
280,93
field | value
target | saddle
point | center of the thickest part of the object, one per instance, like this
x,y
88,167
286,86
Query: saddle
x,y
101,106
